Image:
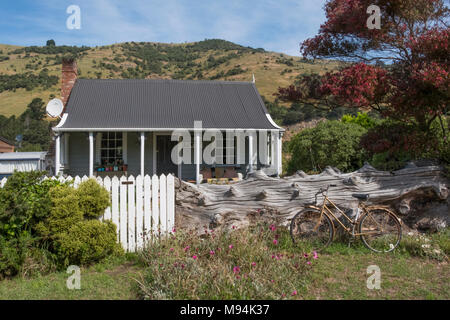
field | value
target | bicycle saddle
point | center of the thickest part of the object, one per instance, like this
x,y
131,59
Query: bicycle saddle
x,y
361,196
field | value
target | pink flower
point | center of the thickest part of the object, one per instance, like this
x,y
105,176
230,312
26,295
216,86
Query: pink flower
x,y
272,227
236,269
253,264
294,293
233,227
275,241
305,255
212,252
194,257
171,249
182,266
309,262
230,246
187,248
315,256
174,230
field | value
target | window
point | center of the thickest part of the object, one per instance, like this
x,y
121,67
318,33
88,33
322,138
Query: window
x,y
111,149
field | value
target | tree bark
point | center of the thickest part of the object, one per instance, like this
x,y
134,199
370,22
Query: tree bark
x,y
412,193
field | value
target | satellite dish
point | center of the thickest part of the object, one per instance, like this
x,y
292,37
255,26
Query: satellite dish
x,y
55,108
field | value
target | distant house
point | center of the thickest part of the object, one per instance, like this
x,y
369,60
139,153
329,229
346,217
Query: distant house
x,y
115,127
21,161
6,146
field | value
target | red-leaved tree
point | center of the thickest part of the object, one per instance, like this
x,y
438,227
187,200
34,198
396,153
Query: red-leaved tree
x,y
401,70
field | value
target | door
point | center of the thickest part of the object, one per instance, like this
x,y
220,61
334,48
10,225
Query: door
x,y
164,162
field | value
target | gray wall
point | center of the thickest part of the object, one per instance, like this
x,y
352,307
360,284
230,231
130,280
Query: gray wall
x,y
78,154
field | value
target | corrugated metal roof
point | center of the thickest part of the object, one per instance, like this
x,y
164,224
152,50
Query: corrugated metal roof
x,y
22,156
165,104
6,141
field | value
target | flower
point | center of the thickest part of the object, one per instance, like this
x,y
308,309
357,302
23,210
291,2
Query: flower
x,y
211,252
187,248
253,264
309,262
230,246
275,241
315,256
305,255
294,293
236,269
174,230
272,227
233,227
171,249
194,257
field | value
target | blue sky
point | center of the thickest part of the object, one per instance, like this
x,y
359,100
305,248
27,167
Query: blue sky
x,y
275,25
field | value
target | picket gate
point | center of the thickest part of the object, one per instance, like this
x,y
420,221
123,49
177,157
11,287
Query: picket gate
x,y
142,208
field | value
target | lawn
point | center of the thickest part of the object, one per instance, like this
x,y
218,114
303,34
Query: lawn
x,y
171,270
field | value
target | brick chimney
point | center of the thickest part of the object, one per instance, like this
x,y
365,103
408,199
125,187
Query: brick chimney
x,y
69,76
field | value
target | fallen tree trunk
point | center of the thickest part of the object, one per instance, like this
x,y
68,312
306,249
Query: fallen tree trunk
x,y
419,195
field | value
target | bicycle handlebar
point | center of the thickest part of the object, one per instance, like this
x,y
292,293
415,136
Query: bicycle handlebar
x,y
322,191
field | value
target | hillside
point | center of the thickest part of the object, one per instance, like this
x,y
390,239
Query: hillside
x,y
34,72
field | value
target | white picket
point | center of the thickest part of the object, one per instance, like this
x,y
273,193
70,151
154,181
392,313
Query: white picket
x,y
170,203
162,204
147,208
131,215
107,186
115,204
123,213
142,208
139,212
76,182
155,205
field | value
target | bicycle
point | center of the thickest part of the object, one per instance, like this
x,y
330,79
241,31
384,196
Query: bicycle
x,y
379,228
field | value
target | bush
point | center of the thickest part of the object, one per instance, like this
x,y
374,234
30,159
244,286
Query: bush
x,y
93,199
330,143
392,144
87,242
65,212
24,256
24,201
362,119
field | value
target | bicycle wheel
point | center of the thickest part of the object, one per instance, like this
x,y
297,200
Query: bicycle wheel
x,y
308,230
380,230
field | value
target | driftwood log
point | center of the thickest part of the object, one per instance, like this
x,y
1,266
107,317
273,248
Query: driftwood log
x,y
419,195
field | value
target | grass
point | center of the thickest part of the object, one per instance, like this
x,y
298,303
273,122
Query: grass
x,y
110,280
186,266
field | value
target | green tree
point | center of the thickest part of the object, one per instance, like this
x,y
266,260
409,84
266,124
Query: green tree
x,y
331,143
51,43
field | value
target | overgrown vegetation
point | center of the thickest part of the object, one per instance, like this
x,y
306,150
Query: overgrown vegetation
x,y
44,225
348,143
256,263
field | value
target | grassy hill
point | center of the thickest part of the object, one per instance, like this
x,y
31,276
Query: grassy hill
x,y
30,72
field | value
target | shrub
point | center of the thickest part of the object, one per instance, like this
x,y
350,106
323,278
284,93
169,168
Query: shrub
x,y
24,200
64,213
330,143
362,119
87,242
23,255
93,199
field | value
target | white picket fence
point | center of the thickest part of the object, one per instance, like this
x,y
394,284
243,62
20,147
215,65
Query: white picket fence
x,y
142,208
